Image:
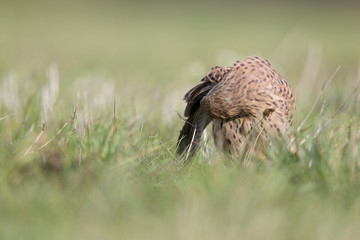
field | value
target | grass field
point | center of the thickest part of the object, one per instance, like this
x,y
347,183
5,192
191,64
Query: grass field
x,y
88,126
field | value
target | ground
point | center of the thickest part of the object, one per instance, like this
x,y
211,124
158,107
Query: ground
x,y
88,126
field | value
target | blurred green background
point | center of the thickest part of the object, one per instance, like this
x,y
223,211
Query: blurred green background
x,y
171,44
107,171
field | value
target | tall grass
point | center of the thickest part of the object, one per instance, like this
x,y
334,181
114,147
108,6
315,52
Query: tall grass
x,y
88,124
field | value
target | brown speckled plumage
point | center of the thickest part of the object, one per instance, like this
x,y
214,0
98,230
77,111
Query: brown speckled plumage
x,y
249,98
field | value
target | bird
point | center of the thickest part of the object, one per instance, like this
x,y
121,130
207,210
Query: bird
x,y
247,104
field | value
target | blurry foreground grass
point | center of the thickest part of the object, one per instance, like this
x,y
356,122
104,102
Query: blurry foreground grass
x,y
88,126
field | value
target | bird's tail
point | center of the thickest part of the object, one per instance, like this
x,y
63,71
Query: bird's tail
x,y
198,119
190,135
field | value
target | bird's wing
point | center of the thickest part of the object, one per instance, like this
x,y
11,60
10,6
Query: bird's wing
x,y
198,119
194,95
249,89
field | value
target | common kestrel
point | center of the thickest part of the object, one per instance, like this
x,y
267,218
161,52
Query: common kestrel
x,y
247,103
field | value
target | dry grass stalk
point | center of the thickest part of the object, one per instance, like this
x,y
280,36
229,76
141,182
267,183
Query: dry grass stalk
x,y
326,83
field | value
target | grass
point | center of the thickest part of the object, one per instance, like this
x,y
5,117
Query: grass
x,y
88,123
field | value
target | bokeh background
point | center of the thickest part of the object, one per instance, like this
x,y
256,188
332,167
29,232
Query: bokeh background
x,y
89,92
164,47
